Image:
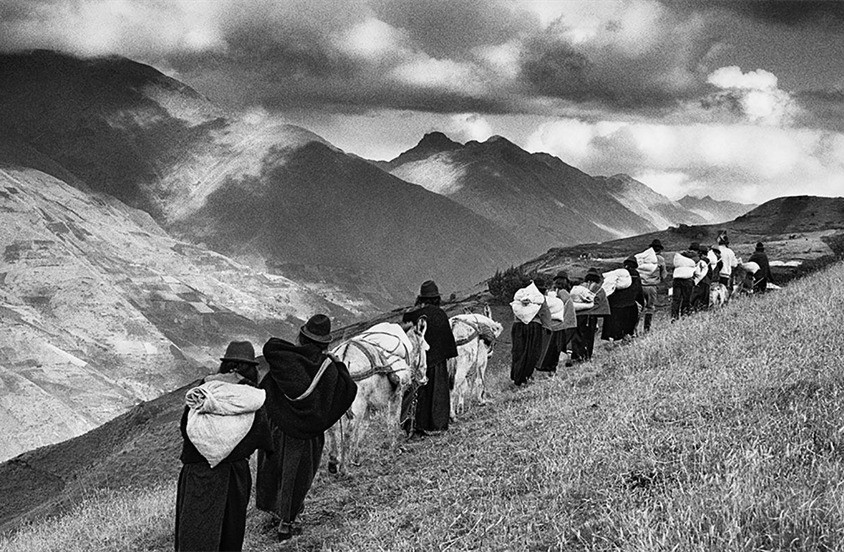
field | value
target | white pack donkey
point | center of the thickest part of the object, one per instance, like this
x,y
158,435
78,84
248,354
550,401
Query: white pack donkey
x,y
384,360
473,334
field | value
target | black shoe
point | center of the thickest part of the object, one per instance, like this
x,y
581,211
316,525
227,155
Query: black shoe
x,y
287,531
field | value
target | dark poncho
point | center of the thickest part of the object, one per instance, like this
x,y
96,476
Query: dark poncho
x,y
292,369
433,398
439,336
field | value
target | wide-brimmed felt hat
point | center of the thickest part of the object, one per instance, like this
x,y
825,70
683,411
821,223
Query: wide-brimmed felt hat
x,y
694,246
429,290
631,261
656,244
760,246
317,328
240,351
593,273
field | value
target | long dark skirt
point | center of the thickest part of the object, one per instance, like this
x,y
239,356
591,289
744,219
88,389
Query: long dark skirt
x,y
211,506
558,343
622,321
699,299
583,342
285,475
681,299
433,401
530,344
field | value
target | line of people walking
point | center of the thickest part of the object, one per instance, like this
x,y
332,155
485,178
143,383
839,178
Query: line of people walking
x,y
622,298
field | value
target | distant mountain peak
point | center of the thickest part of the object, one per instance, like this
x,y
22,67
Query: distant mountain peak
x,y
431,143
437,141
500,142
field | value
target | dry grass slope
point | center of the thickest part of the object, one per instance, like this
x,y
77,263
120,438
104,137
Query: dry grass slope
x,y
720,432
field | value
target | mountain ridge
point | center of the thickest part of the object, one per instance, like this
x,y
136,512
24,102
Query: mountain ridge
x,y
537,197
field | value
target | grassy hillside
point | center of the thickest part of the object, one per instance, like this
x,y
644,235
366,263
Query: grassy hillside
x,y
720,432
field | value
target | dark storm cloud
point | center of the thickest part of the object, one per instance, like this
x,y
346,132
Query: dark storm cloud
x,y
443,56
781,12
445,28
822,108
558,70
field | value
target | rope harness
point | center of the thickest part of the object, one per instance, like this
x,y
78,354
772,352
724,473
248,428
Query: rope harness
x,y
476,334
378,358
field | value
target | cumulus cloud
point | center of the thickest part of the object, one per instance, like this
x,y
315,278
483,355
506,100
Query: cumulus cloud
x,y
732,77
753,96
644,86
464,127
146,30
751,161
438,55
638,54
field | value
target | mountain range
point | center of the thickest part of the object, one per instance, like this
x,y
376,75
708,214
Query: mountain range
x,y
538,197
145,227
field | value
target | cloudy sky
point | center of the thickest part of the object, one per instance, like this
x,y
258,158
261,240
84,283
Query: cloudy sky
x,y
741,100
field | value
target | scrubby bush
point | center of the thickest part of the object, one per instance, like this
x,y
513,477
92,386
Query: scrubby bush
x,y
503,285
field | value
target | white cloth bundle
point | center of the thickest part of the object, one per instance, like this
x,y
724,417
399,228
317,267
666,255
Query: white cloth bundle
x,y
647,263
684,267
582,294
751,267
648,256
616,279
391,338
220,416
701,269
527,302
556,306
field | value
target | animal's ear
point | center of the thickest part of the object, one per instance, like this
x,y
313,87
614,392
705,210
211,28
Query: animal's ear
x,y
467,310
487,311
422,325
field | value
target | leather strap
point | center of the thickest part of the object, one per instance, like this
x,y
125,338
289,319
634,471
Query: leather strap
x,y
325,364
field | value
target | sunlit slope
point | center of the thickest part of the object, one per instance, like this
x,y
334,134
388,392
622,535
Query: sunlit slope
x,y
719,432
100,309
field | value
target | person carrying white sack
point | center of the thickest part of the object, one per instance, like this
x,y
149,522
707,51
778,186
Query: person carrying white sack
x,y
681,291
563,322
223,423
652,272
729,262
531,331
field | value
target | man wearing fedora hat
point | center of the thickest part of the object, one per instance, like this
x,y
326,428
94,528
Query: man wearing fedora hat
x,y
308,390
433,400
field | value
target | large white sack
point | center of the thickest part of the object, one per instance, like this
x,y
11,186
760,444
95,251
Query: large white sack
x,y
683,261
219,417
648,256
391,338
527,302
582,294
556,306
616,279
751,267
647,269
